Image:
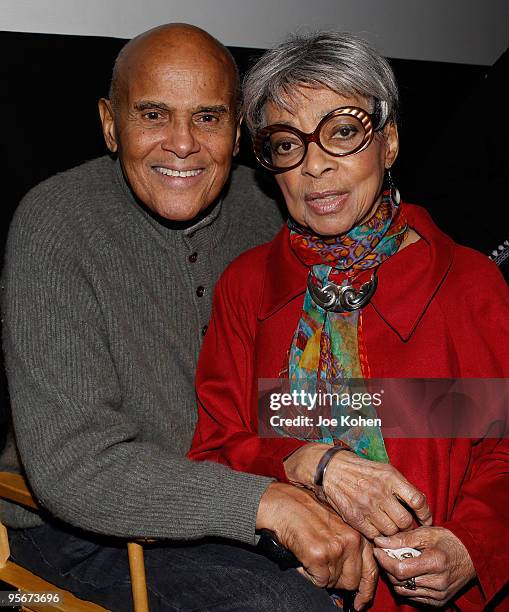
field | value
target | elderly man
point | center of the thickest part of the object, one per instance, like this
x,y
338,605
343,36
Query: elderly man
x,y
108,282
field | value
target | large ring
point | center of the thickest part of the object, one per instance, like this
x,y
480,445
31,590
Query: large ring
x,y
410,584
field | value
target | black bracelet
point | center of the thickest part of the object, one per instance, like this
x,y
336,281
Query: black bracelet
x,y
321,468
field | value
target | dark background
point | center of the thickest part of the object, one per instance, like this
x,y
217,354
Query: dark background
x,y
453,126
453,129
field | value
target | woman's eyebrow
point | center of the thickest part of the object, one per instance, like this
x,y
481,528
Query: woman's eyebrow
x,y
317,117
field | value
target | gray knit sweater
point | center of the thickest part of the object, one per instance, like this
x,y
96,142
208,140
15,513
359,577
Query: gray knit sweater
x,y
104,310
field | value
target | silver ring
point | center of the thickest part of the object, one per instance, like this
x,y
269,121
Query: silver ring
x,y
410,584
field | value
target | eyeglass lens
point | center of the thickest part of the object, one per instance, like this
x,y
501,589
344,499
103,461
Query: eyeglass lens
x,y
339,135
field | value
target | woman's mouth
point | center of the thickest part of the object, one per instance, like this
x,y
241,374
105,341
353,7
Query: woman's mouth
x,y
325,202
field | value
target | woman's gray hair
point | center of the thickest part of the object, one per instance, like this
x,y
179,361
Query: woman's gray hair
x,y
337,60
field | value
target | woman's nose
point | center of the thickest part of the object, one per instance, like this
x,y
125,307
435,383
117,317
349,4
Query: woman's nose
x,y
316,161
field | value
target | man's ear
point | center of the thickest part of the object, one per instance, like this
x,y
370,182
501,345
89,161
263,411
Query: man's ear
x,y
391,143
108,123
237,136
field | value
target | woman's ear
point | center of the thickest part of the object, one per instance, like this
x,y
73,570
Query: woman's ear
x,y
391,137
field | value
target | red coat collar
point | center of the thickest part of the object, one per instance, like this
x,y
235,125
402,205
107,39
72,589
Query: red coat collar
x,y
400,299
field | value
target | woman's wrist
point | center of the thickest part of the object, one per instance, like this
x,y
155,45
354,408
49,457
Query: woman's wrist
x,y
321,470
300,466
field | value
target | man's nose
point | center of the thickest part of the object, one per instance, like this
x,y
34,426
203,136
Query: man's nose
x,y
180,139
317,162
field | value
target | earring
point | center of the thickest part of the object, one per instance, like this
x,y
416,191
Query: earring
x,y
395,195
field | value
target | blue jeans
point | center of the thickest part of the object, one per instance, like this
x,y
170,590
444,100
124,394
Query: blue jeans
x,y
199,577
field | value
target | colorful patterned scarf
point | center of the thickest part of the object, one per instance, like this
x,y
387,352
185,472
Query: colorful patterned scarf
x,y
327,348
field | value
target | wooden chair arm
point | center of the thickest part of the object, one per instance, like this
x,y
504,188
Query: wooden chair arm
x,y
13,487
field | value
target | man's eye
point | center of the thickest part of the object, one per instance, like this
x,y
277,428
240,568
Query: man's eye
x,y
208,118
152,115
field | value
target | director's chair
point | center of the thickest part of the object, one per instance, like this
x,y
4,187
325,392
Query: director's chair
x,y
14,489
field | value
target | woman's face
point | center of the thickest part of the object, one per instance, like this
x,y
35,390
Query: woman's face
x,y
330,195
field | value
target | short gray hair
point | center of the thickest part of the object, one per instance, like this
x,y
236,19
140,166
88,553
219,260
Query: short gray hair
x,y
337,60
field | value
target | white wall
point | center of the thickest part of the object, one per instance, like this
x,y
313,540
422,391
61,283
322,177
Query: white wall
x,y
464,31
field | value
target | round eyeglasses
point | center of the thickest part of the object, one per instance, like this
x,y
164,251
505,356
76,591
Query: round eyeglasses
x,y
343,131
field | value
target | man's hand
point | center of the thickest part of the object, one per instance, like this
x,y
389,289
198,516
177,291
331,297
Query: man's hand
x,y
366,494
332,554
443,568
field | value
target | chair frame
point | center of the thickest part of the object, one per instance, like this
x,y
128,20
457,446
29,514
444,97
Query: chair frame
x,y
14,488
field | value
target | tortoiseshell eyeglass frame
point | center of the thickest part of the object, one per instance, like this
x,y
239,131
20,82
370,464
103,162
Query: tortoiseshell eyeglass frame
x,y
367,120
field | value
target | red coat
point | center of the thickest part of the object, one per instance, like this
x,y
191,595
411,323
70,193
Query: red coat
x,y
440,311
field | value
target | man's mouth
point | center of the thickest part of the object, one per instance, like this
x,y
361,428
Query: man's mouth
x,y
177,173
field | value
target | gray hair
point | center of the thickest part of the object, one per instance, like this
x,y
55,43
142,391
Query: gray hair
x,y
337,60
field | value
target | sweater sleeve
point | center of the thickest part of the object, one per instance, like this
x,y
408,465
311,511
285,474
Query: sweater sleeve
x,y
227,428
87,461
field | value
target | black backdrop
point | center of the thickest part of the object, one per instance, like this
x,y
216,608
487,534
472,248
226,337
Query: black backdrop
x,y
51,83
453,128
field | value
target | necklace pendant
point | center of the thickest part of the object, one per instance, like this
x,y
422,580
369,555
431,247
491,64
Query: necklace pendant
x,y
343,298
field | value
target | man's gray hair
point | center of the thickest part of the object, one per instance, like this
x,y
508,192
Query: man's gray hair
x,y
340,61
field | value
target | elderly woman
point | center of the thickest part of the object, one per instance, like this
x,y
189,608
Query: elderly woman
x,y
360,285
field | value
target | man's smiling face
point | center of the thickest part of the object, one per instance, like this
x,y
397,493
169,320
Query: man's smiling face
x,y
174,123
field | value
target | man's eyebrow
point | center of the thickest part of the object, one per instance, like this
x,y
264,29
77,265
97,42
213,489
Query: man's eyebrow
x,y
142,105
219,108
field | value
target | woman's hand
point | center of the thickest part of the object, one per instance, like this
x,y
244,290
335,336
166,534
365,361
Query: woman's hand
x,y
367,495
332,554
443,568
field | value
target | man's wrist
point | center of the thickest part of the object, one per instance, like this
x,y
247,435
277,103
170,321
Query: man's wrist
x,y
268,504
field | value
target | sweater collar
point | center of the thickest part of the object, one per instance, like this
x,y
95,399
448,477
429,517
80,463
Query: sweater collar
x,y
403,293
